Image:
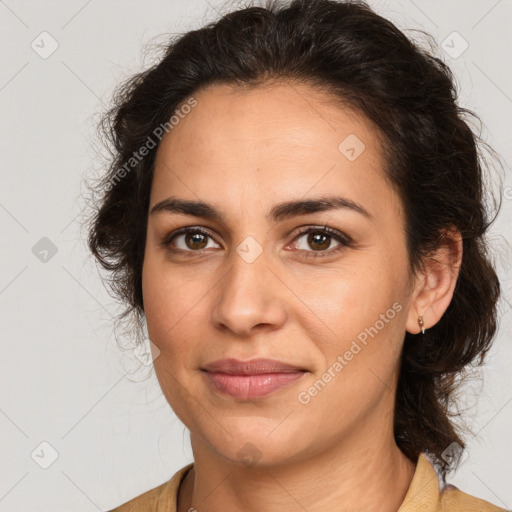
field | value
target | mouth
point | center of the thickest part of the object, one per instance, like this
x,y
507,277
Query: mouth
x,y
253,379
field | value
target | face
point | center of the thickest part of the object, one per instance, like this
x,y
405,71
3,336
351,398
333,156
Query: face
x,y
321,288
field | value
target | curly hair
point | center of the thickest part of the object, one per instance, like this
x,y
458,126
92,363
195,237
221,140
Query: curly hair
x,y
433,159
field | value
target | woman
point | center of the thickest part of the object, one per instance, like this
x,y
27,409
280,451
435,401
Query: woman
x,y
295,209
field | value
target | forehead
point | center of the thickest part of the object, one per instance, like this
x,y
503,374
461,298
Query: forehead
x,y
283,112
279,141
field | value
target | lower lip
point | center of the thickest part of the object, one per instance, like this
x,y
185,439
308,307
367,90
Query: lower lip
x,y
251,386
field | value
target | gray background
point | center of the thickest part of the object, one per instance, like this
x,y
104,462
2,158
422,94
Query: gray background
x,y
64,380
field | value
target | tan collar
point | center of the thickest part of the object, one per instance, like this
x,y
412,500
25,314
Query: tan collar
x,y
423,493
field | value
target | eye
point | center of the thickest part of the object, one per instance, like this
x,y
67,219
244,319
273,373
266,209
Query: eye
x,y
191,240
320,238
194,240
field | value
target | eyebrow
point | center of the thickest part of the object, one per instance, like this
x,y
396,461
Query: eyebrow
x,y
278,212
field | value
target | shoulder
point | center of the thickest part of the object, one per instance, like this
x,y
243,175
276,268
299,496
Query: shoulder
x,y
158,499
146,501
452,498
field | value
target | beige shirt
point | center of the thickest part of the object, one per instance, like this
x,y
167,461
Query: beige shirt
x,y
423,495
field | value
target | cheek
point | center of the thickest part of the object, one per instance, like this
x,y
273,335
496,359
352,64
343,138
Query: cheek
x,y
361,307
351,295
162,305
359,354
168,317
174,303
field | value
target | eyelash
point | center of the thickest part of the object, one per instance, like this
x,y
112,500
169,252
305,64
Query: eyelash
x,y
344,240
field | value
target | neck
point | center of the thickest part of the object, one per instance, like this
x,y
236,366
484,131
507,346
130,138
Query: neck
x,y
371,477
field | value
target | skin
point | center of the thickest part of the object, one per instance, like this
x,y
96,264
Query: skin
x,y
244,150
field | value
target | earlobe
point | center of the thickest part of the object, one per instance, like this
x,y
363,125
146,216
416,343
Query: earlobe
x,y
436,286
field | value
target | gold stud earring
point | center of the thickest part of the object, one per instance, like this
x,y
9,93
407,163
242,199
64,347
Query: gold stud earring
x,y
422,324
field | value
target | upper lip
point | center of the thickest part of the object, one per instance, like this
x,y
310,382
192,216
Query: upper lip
x,y
252,367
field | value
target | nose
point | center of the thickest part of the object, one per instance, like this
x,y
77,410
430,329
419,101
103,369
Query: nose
x,y
250,296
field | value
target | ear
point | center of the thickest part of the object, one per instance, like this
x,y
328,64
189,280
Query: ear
x,y
435,284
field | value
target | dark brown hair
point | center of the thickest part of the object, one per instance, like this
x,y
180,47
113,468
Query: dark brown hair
x,y
433,159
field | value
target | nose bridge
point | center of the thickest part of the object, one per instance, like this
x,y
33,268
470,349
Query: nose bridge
x,y
248,294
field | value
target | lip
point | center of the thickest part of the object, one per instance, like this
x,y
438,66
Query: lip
x,y
252,367
251,379
248,387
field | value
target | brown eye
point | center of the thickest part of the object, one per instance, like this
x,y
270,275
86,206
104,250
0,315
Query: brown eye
x,y
319,240
318,243
187,240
